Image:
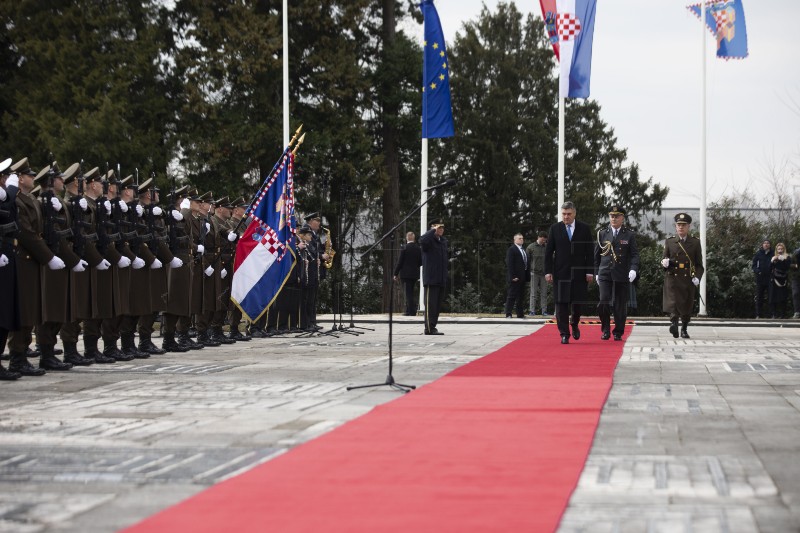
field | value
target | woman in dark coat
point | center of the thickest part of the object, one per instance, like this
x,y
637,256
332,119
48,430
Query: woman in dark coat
x,y
779,280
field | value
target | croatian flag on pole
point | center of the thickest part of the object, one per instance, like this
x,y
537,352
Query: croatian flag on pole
x,y
264,254
570,28
725,20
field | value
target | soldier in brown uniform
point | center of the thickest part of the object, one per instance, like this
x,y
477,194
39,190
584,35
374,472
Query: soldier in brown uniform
x,y
237,227
210,280
9,303
33,255
225,242
159,244
179,278
683,269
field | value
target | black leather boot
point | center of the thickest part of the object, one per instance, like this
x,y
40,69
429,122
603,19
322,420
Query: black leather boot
x,y
21,365
90,350
7,375
205,340
673,328
237,336
115,353
684,333
72,356
170,345
218,336
49,361
146,345
185,340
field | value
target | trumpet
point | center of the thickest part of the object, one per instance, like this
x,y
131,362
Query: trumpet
x,y
329,251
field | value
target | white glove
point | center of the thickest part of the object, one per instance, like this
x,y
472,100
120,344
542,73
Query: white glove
x,y
201,249
83,203
665,262
231,237
209,271
185,203
123,207
695,281
177,215
13,179
176,262
138,263
124,262
223,273
631,275
139,210
107,205
3,195
81,266
157,211
208,226
3,260
56,263
104,265
156,264
56,203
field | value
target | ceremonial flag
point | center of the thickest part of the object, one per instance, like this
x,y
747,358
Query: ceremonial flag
x,y
570,28
264,254
725,20
437,112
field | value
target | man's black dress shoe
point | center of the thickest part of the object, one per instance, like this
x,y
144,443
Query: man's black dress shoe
x,y
576,333
564,339
684,334
605,336
673,328
617,337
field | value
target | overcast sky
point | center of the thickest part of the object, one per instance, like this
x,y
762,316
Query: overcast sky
x,y
646,76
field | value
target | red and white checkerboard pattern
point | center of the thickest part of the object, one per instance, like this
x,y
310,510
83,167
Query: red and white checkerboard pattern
x,y
721,18
270,240
568,26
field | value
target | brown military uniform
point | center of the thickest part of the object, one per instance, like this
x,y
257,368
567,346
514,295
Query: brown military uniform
x,y
685,262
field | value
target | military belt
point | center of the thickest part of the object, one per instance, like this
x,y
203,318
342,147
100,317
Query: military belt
x,y
9,228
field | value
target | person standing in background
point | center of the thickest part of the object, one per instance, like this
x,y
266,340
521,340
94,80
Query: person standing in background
x,y
407,270
535,252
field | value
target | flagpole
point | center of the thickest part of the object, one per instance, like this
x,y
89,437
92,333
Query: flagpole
x,y
703,165
423,213
285,72
560,156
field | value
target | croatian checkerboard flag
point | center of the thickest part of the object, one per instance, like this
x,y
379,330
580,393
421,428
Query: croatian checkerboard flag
x,y
570,28
264,254
725,20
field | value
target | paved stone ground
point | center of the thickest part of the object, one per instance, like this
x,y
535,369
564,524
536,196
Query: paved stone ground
x,y
698,435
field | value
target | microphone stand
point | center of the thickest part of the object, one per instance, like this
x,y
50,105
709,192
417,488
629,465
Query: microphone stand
x,y
391,234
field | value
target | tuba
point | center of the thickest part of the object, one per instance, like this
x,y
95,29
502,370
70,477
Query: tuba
x,y
329,251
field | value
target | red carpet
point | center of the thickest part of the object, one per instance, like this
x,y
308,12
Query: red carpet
x,y
496,445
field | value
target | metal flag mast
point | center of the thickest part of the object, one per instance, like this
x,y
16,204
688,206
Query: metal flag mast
x,y
703,166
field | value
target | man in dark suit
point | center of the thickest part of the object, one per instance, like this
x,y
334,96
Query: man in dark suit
x,y
518,271
434,273
568,265
407,269
616,264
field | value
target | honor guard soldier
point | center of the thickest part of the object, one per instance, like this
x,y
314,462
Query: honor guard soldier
x,y
317,249
237,227
9,303
33,256
616,265
225,240
211,281
179,277
683,269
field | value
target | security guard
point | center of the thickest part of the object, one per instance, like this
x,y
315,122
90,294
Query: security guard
x,y
683,269
616,265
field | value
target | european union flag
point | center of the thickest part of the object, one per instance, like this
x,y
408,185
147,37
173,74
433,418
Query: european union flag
x,y
437,112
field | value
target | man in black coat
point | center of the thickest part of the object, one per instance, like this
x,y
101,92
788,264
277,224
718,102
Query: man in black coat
x,y
518,271
434,274
568,265
616,264
762,263
407,269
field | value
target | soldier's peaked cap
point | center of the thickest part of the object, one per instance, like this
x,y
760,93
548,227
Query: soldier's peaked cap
x,y
312,216
207,197
92,175
22,167
683,218
146,185
127,182
181,191
4,166
71,173
42,175
616,209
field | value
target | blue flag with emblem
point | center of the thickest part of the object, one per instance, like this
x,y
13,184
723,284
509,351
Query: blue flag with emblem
x,y
725,20
437,112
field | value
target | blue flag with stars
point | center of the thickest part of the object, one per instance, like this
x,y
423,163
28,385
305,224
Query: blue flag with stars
x,y
437,112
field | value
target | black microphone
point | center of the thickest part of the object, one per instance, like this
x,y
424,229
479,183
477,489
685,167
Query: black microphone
x,y
448,183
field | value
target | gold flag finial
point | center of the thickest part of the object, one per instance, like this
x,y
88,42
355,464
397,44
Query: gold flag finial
x,y
299,142
296,133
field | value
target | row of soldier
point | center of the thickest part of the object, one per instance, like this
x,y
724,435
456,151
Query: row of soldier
x,y
97,254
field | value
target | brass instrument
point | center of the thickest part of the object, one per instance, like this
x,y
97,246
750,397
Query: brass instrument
x,y
329,251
